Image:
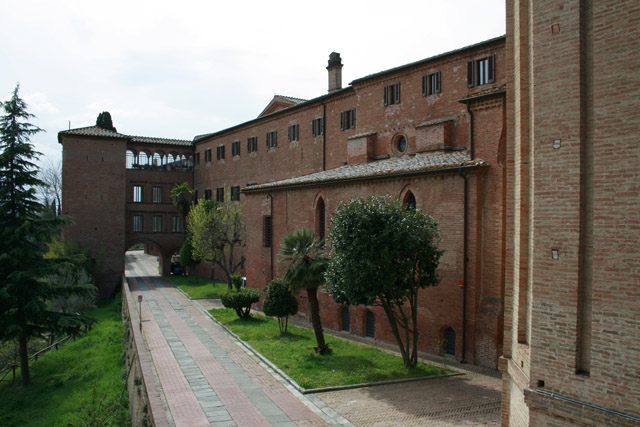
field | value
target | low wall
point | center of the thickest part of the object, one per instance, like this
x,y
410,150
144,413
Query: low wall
x,y
145,402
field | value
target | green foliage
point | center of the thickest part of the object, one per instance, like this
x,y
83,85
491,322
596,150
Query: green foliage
x,y
217,229
383,254
236,280
187,256
350,363
241,300
199,289
306,264
25,229
279,302
104,121
78,384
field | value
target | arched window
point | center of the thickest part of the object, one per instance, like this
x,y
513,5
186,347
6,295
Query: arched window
x,y
320,219
346,319
143,158
410,200
157,159
449,338
170,158
132,159
370,325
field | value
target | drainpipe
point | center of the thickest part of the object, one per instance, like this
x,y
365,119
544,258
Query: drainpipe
x,y
472,153
271,243
464,268
324,137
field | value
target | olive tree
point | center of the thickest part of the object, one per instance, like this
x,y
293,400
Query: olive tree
x,y
382,254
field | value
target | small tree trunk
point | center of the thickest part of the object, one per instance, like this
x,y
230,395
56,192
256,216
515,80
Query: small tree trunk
x,y
24,360
314,311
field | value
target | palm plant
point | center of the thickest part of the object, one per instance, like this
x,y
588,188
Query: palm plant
x,y
306,262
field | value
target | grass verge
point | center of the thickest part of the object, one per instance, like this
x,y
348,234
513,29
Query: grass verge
x,y
202,289
350,363
80,384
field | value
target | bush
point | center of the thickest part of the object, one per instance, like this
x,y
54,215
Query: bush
x,y
236,280
279,302
241,300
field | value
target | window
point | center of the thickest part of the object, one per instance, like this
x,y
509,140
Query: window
x,y
317,126
320,209
220,152
137,193
272,139
392,94
267,231
294,131
370,325
207,155
235,148
431,84
197,158
348,119
252,144
156,223
137,223
346,319
176,224
410,201
157,194
235,193
481,71
401,144
220,194
207,194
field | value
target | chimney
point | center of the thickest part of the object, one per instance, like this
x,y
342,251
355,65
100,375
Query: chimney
x,y
335,72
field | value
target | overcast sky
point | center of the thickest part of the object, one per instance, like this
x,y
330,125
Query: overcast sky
x,y
182,68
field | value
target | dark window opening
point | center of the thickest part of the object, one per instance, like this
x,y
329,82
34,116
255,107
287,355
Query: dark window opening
x,y
220,194
321,219
370,325
401,144
449,344
272,139
346,319
317,126
348,119
220,152
293,132
207,194
392,94
235,148
235,193
137,223
410,201
431,84
481,71
252,144
207,155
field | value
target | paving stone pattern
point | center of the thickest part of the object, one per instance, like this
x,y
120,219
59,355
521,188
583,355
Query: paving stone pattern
x,y
209,378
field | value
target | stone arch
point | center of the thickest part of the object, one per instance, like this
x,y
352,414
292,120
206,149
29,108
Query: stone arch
x,y
144,158
408,196
171,158
158,158
132,158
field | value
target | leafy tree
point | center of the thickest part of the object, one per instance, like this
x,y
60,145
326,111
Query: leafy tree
x,y
383,254
217,229
181,194
104,121
188,258
306,264
279,302
24,232
240,300
236,280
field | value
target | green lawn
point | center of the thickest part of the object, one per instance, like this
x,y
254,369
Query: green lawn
x,y
350,363
75,385
202,289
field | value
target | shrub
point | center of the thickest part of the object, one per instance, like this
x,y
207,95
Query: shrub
x,y
241,300
279,302
236,280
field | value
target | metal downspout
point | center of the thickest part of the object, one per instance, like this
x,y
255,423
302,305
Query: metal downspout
x,y
271,242
464,269
324,137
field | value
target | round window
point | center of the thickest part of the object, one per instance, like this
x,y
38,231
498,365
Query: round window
x,y
401,144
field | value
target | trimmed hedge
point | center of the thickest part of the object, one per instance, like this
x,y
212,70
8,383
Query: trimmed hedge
x,y
240,300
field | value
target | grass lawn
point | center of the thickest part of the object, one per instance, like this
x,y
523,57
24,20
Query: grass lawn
x,y
79,384
202,289
350,363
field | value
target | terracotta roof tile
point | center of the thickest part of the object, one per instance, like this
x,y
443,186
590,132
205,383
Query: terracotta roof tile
x,y
98,131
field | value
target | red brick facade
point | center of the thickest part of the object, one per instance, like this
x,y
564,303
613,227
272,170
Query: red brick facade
x,y
572,325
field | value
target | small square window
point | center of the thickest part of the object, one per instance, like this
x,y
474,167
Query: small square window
x,y
137,223
235,148
157,194
137,193
317,126
235,193
272,139
293,132
252,144
392,94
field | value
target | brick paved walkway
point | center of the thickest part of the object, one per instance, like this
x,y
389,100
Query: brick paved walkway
x,y
208,378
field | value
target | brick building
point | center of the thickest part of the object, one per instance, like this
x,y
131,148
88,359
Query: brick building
x,y
116,189
430,133
572,310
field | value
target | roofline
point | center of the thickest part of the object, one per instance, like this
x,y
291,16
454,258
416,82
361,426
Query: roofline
x,y
248,190
201,138
431,58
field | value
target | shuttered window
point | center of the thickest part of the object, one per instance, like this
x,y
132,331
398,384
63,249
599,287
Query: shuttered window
x,y
317,126
235,148
293,132
272,140
348,119
392,94
252,144
431,84
481,71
